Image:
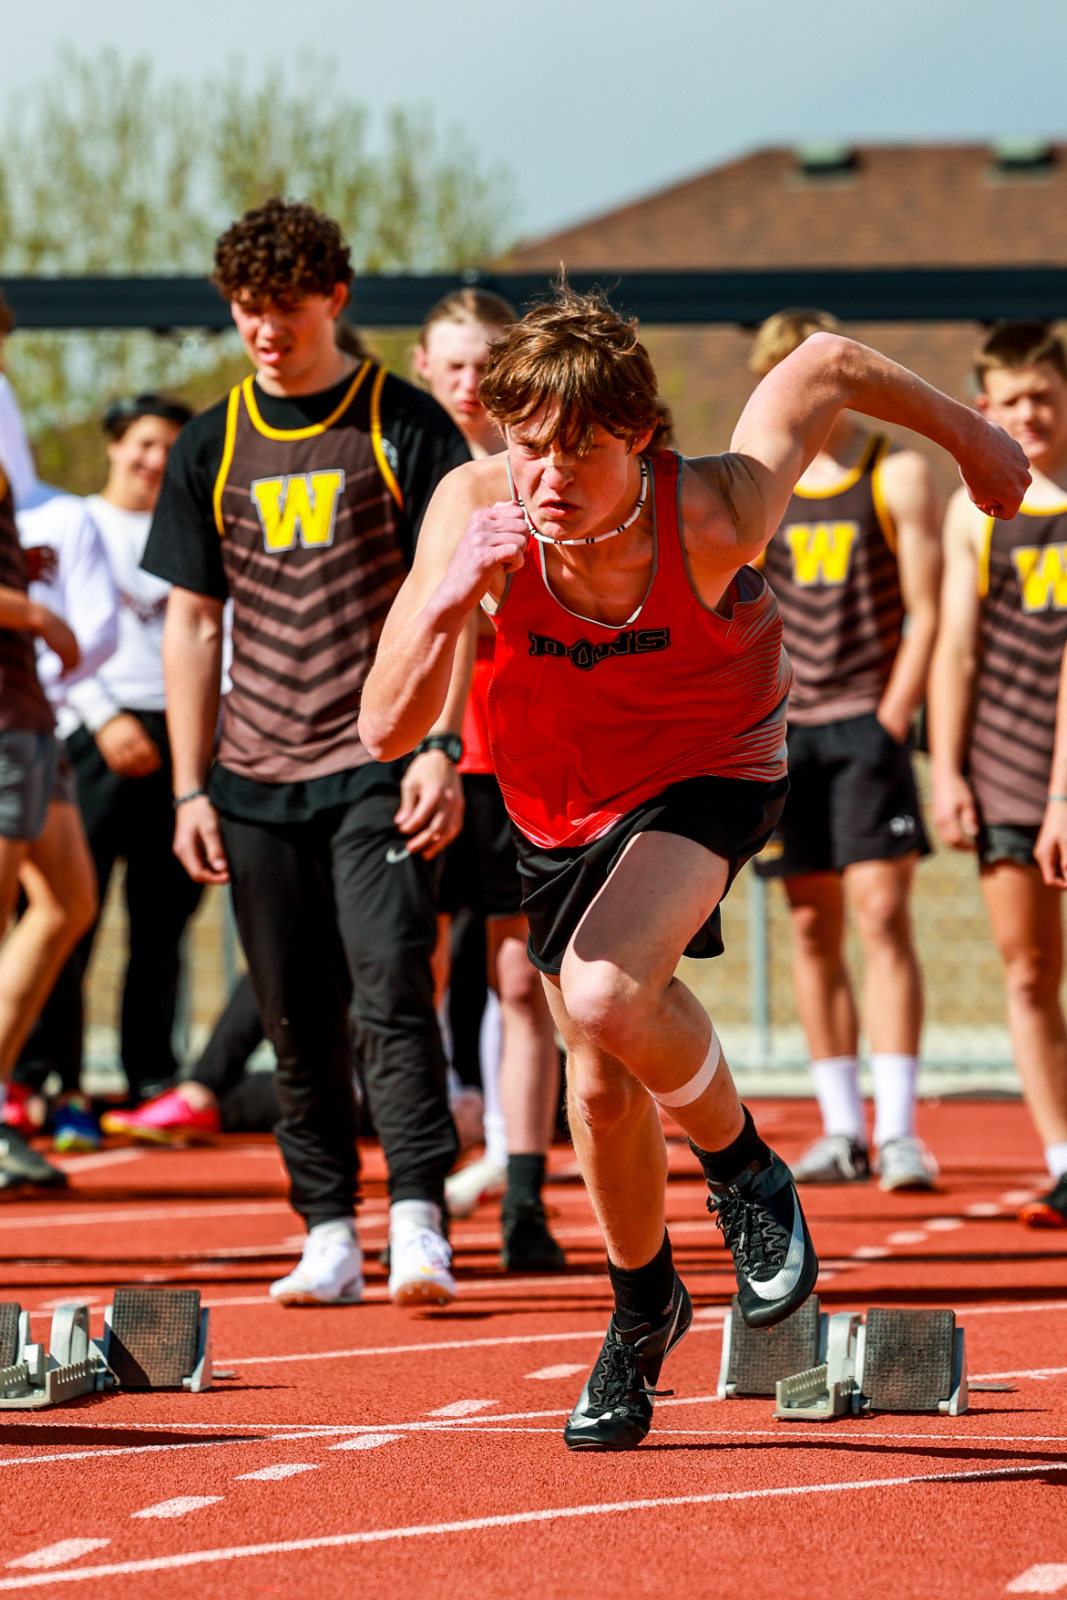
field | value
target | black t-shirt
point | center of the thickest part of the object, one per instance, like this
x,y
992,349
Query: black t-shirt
x,y
421,443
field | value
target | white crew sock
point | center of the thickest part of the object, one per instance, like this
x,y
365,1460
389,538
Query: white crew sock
x,y
334,1228
412,1216
1056,1156
490,1050
895,1080
837,1089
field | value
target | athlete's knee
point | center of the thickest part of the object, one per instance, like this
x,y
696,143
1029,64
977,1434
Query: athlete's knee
x,y
1033,975
817,933
518,980
609,1007
603,1100
882,917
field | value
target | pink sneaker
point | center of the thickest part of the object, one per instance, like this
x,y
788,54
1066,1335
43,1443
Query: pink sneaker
x,y
168,1119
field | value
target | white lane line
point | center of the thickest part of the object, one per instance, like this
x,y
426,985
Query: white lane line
x,y
983,1208
54,1555
366,1441
162,1213
194,1558
908,1236
1049,1578
281,1469
180,1507
462,1408
869,1252
1029,1372
565,1369
99,1158
434,1344
943,1224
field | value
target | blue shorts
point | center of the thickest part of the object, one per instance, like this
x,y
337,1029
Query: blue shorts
x,y
34,771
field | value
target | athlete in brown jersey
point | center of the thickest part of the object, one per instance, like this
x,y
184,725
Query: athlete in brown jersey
x,y
300,497
617,575
993,711
858,549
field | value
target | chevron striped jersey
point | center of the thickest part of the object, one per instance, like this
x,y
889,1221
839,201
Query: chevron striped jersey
x,y
1022,634
308,521
832,565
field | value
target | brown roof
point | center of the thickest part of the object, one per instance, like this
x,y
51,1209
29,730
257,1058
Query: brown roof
x,y
900,205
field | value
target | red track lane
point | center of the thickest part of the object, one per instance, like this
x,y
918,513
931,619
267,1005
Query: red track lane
x,y
372,1451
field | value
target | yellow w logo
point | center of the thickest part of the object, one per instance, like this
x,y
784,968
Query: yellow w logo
x,y
822,551
306,502
1042,574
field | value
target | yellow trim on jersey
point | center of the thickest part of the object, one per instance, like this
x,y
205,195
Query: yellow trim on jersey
x,y
881,509
983,558
874,444
227,455
314,428
376,439
1042,511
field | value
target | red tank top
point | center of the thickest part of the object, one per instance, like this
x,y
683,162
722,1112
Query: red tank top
x,y
588,719
477,754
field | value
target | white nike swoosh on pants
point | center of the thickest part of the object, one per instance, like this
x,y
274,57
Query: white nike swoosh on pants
x,y
787,1277
397,853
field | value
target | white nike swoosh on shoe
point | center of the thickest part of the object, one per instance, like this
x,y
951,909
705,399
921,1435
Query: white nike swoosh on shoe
x,y
787,1277
397,853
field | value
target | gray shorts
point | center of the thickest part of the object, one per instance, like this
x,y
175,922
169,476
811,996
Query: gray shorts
x,y
34,771
1007,841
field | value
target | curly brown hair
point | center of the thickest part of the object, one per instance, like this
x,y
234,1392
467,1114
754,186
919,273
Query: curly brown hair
x,y
578,357
281,252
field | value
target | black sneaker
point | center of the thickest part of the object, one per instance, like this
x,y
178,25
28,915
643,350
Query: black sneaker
x,y
1048,1210
528,1245
20,1163
764,1230
614,1410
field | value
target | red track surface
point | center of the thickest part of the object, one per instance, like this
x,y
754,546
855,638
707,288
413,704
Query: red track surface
x,y
368,1451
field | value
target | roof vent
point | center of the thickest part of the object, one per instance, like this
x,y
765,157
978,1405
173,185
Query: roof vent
x,y
825,160
1023,155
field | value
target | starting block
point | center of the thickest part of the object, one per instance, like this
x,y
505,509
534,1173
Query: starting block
x,y
153,1339
818,1367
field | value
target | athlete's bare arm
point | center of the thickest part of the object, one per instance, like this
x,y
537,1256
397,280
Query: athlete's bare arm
x,y
192,671
1050,851
914,505
463,553
786,421
952,673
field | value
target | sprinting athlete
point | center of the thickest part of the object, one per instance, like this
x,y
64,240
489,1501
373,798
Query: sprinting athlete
x,y
993,714
637,715
481,867
858,551
300,497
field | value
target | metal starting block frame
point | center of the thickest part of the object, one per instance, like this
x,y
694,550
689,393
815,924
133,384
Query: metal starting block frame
x,y
153,1339
894,1361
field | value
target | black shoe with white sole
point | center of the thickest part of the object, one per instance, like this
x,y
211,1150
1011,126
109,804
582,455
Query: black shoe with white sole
x,y
764,1230
614,1410
20,1163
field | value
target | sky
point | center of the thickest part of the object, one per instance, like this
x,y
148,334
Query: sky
x,y
590,103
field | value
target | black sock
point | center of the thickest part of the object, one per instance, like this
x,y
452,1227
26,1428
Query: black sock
x,y
724,1166
526,1177
643,1294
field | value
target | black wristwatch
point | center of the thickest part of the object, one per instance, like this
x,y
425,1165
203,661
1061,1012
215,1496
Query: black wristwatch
x,y
450,743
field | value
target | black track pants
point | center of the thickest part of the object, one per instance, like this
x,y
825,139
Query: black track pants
x,y
325,914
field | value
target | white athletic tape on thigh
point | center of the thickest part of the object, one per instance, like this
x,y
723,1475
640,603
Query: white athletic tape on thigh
x,y
695,1087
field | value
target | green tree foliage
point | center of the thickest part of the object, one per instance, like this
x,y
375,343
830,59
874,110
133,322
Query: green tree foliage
x,y
104,170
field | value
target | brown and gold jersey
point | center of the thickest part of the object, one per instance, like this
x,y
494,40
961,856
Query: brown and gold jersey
x,y
308,521
1022,634
832,565
24,706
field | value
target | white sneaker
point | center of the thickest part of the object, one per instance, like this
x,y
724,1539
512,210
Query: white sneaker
x,y
330,1271
906,1163
479,1180
419,1257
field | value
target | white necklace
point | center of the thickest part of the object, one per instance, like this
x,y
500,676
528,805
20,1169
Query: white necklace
x,y
546,538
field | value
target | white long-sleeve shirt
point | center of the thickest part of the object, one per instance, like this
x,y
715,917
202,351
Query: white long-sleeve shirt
x,y
81,592
132,678
16,456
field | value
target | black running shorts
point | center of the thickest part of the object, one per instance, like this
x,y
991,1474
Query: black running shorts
x,y
852,797
481,869
732,817
1007,841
